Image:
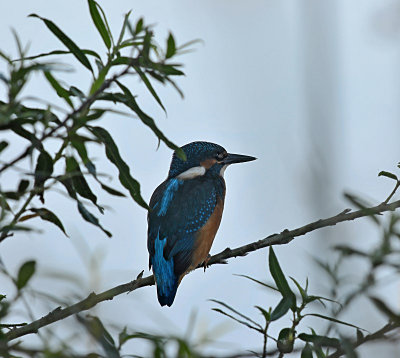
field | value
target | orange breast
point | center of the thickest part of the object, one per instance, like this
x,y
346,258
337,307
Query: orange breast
x,y
205,237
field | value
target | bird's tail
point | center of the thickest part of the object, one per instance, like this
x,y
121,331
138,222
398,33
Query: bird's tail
x,y
166,291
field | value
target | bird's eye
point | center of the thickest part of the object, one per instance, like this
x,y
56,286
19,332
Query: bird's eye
x,y
220,156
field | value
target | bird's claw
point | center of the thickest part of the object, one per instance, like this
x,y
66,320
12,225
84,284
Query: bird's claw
x,y
205,263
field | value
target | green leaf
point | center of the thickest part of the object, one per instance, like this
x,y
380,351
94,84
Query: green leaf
x,y
149,86
307,351
22,186
259,282
122,32
97,83
113,155
171,48
333,320
18,129
43,171
49,216
139,26
303,293
61,91
388,175
248,325
235,311
97,330
111,191
3,145
265,313
59,52
281,309
320,340
75,50
89,217
25,273
79,182
99,23
280,280
78,142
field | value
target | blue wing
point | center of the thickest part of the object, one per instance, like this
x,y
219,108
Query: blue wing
x,y
179,208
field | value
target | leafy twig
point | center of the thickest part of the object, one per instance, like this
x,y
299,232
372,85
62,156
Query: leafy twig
x,y
277,239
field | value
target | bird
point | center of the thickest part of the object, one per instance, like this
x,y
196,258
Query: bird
x,y
185,214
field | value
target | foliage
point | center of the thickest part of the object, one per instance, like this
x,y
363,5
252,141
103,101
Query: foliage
x,y
75,128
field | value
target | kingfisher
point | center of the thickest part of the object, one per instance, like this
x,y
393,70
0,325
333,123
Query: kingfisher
x,y
185,214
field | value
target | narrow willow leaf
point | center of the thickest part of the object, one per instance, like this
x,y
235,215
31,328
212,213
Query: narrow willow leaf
x,y
306,352
237,320
171,48
98,82
99,23
25,273
3,145
89,217
75,50
49,216
79,182
333,320
149,86
139,26
265,313
388,175
303,293
280,279
281,309
60,90
43,171
22,132
168,70
235,311
113,155
22,186
320,340
59,52
111,191
259,282
123,29
97,330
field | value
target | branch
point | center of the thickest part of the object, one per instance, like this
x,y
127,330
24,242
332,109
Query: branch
x,y
284,237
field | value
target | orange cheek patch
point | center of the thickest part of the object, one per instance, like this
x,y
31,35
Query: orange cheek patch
x,y
208,163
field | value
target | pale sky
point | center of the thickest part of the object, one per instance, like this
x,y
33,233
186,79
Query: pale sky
x,y
310,88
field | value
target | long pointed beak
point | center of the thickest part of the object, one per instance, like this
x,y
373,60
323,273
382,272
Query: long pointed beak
x,y
237,158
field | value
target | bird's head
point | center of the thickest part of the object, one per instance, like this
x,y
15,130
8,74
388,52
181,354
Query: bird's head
x,y
202,157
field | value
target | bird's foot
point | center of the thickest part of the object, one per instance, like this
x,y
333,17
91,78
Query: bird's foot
x,y
205,263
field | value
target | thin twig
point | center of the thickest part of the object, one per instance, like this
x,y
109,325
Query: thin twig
x,y
277,239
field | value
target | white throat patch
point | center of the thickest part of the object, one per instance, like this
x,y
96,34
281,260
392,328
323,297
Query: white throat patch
x,y
222,171
192,173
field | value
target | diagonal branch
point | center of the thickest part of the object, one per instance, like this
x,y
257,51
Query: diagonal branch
x,y
284,237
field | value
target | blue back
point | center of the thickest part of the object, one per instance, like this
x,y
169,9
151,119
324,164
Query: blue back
x,y
179,208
